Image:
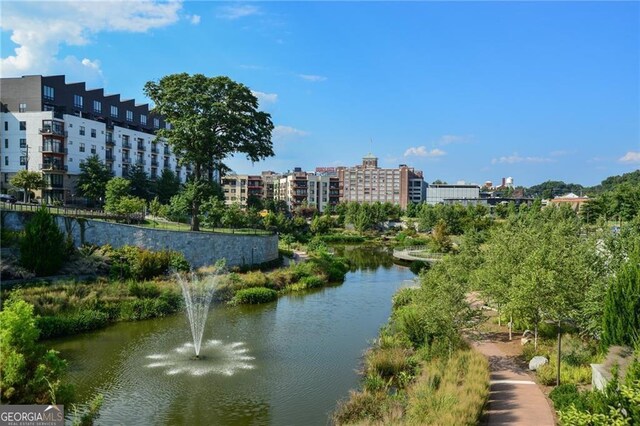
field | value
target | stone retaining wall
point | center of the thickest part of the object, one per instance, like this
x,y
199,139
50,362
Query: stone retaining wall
x,y
199,248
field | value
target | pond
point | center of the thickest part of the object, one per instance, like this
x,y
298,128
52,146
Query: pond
x,y
283,363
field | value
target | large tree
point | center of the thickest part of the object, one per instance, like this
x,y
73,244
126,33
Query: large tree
x,y
167,185
27,180
141,185
93,178
211,118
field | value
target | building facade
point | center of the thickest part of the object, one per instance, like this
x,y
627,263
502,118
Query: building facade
x,y
439,193
368,183
51,126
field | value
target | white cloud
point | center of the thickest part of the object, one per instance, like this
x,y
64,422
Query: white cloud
x,y
194,19
265,98
235,12
286,132
40,28
421,151
312,78
630,157
515,158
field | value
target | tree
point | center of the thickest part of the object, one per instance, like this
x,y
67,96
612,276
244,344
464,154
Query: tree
x,y
27,181
116,189
212,212
140,186
210,119
621,322
42,247
30,374
233,217
93,178
167,185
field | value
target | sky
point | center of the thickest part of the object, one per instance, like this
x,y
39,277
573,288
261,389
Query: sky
x,y
464,91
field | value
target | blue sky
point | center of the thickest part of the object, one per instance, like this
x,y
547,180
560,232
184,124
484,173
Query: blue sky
x,y
468,91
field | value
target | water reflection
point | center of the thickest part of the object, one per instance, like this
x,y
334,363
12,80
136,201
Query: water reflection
x,y
365,257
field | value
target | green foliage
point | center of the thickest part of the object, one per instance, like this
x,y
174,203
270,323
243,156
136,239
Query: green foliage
x,y
118,198
93,178
254,295
30,373
42,248
67,325
564,395
553,188
211,119
27,180
621,319
141,186
141,264
167,185
212,211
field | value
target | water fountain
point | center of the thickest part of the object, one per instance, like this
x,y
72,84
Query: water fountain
x,y
197,292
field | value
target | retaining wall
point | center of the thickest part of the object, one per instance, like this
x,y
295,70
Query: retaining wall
x,y
199,248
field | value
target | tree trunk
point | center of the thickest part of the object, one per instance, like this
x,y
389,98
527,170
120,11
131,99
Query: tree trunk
x,y
195,220
510,326
535,336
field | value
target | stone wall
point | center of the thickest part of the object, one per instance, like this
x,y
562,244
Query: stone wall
x,y
199,248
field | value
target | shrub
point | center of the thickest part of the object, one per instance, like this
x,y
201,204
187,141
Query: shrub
x,y
42,248
141,264
360,406
419,266
403,297
64,325
254,296
564,395
312,282
569,374
389,362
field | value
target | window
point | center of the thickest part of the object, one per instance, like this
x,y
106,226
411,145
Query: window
x,y
167,126
93,149
114,111
78,101
6,126
6,143
48,93
129,115
23,125
156,123
48,108
97,106
23,143
143,119
93,133
81,147
6,160
81,130
22,108
23,160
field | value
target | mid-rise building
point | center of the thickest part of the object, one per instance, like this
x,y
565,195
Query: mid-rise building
x,y
439,193
51,126
368,183
299,188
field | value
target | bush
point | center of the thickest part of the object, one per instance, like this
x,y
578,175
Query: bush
x,y
42,248
390,362
64,325
312,282
564,395
419,266
254,296
360,406
141,264
403,297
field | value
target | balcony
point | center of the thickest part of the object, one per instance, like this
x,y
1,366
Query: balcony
x,y
140,162
167,166
110,141
166,151
110,158
126,144
154,149
52,148
52,128
154,163
126,160
53,167
140,147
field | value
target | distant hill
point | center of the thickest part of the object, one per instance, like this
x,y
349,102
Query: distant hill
x,y
554,188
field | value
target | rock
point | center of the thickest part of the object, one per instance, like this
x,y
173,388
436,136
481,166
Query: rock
x,y
537,362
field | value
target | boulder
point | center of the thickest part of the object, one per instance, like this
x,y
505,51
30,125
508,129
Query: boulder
x,y
537,362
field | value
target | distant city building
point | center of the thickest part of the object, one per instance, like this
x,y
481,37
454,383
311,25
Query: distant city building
x,y
300,188
574,201
368,183
51,126
439,193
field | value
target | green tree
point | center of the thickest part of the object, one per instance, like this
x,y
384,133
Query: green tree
x,y
233,217
27,180
211,118
212,211
167,185
140,184
93,178
30,374
621,321
116,189
42,248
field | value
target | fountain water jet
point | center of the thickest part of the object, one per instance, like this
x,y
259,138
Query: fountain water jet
x,y
197,292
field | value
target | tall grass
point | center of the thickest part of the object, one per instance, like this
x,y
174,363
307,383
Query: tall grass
x,y
450,391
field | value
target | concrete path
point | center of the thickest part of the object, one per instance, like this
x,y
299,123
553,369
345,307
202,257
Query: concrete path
x,y
514,399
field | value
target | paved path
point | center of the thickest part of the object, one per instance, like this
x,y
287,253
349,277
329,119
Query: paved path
x,y
513,399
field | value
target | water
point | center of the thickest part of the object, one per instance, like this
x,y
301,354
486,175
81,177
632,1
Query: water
x,y
197,293
283,363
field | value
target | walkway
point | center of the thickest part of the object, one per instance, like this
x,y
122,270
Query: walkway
x,y
514,399
417,253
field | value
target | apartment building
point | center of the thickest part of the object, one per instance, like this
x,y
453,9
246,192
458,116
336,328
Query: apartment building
x,y
51,126
299,188
368,183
